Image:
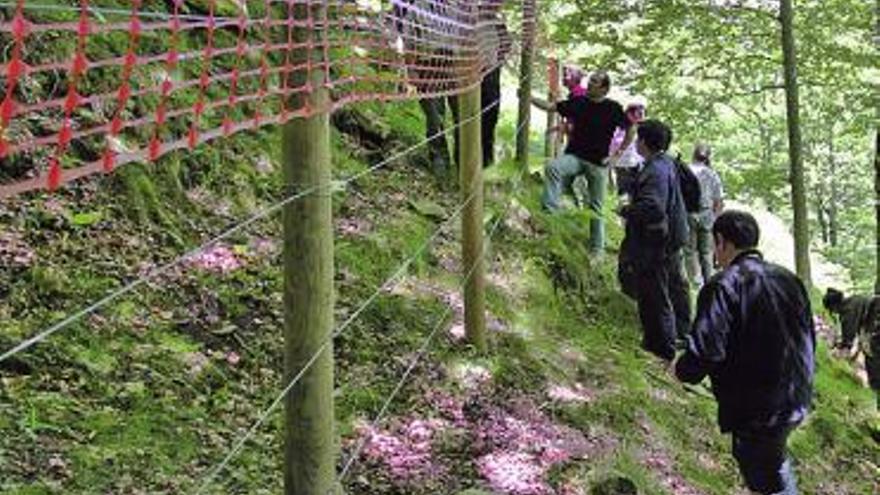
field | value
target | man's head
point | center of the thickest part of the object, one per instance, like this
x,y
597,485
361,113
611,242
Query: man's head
x,y
833,300
653,137
598,85
734,232
703,153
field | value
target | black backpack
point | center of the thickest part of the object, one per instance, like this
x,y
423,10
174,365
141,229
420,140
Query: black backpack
x,y
690,186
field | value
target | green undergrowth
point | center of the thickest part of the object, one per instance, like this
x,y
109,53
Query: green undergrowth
x,y
151,392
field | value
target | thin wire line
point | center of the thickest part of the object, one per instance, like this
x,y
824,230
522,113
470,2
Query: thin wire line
x,y
388,284
239,445
43,335
421,352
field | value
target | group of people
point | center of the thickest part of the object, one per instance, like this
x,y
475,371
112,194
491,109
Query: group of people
x,y
753,331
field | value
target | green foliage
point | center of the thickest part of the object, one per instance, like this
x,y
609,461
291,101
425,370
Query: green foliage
x,y
713,71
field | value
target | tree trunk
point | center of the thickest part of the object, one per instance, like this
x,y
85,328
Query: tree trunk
x,y
798,191
310,446
877,157
530,24
820,217
833,210
877,201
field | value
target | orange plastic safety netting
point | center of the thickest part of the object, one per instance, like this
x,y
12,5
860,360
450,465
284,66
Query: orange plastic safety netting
x,y
89,85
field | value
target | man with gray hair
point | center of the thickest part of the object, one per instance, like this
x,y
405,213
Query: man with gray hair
x,y
699,259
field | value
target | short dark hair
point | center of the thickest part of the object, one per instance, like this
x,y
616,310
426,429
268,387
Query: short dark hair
x,y
603,78
737,227
703,153
655,134
833,299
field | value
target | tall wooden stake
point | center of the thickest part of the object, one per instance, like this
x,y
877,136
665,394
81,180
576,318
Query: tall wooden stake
x,y
530,25
310,445
552,139
472,218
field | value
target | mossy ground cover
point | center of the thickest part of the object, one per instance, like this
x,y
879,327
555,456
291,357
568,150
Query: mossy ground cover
x,y
152,391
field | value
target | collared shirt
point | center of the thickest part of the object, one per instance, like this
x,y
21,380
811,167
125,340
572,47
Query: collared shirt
x,y
754,337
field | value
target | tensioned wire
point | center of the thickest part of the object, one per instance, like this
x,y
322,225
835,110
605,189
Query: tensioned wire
x,y
390,283
427,341
387,285
266,212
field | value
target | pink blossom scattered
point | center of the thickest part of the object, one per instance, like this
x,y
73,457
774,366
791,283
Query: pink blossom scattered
x,y
219,259
233,358
563,393
353,227
406,451
261,246
15,251
449,406
471,376
456,332
571,488
514,472
195,363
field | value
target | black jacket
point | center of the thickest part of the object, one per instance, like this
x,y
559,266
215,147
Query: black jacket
x,y
656,219
858,318
754,337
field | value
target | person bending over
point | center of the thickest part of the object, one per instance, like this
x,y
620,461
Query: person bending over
x,y
858,317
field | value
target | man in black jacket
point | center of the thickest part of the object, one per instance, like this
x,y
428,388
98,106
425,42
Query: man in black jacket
x,y
754,337
656,230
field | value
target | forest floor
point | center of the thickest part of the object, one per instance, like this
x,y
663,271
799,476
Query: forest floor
x,y
150,393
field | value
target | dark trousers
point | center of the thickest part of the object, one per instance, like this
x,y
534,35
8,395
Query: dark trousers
x,y
760,454
435,121
663,307
680,296
490,94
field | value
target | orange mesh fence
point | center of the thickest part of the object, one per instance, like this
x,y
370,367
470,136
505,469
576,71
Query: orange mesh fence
x,y
87,86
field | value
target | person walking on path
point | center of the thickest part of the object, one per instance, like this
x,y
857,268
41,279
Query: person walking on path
x,y
700,263
754,337
594,118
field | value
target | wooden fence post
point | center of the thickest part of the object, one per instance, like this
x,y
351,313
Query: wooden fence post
x,y
552,140
471,171
529,27
310,443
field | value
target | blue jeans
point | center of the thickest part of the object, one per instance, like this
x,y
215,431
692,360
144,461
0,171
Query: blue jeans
x,y
560,172
760,453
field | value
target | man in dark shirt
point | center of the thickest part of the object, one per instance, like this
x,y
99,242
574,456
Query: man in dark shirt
x,y
656,229
859,319
754,337
593,118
